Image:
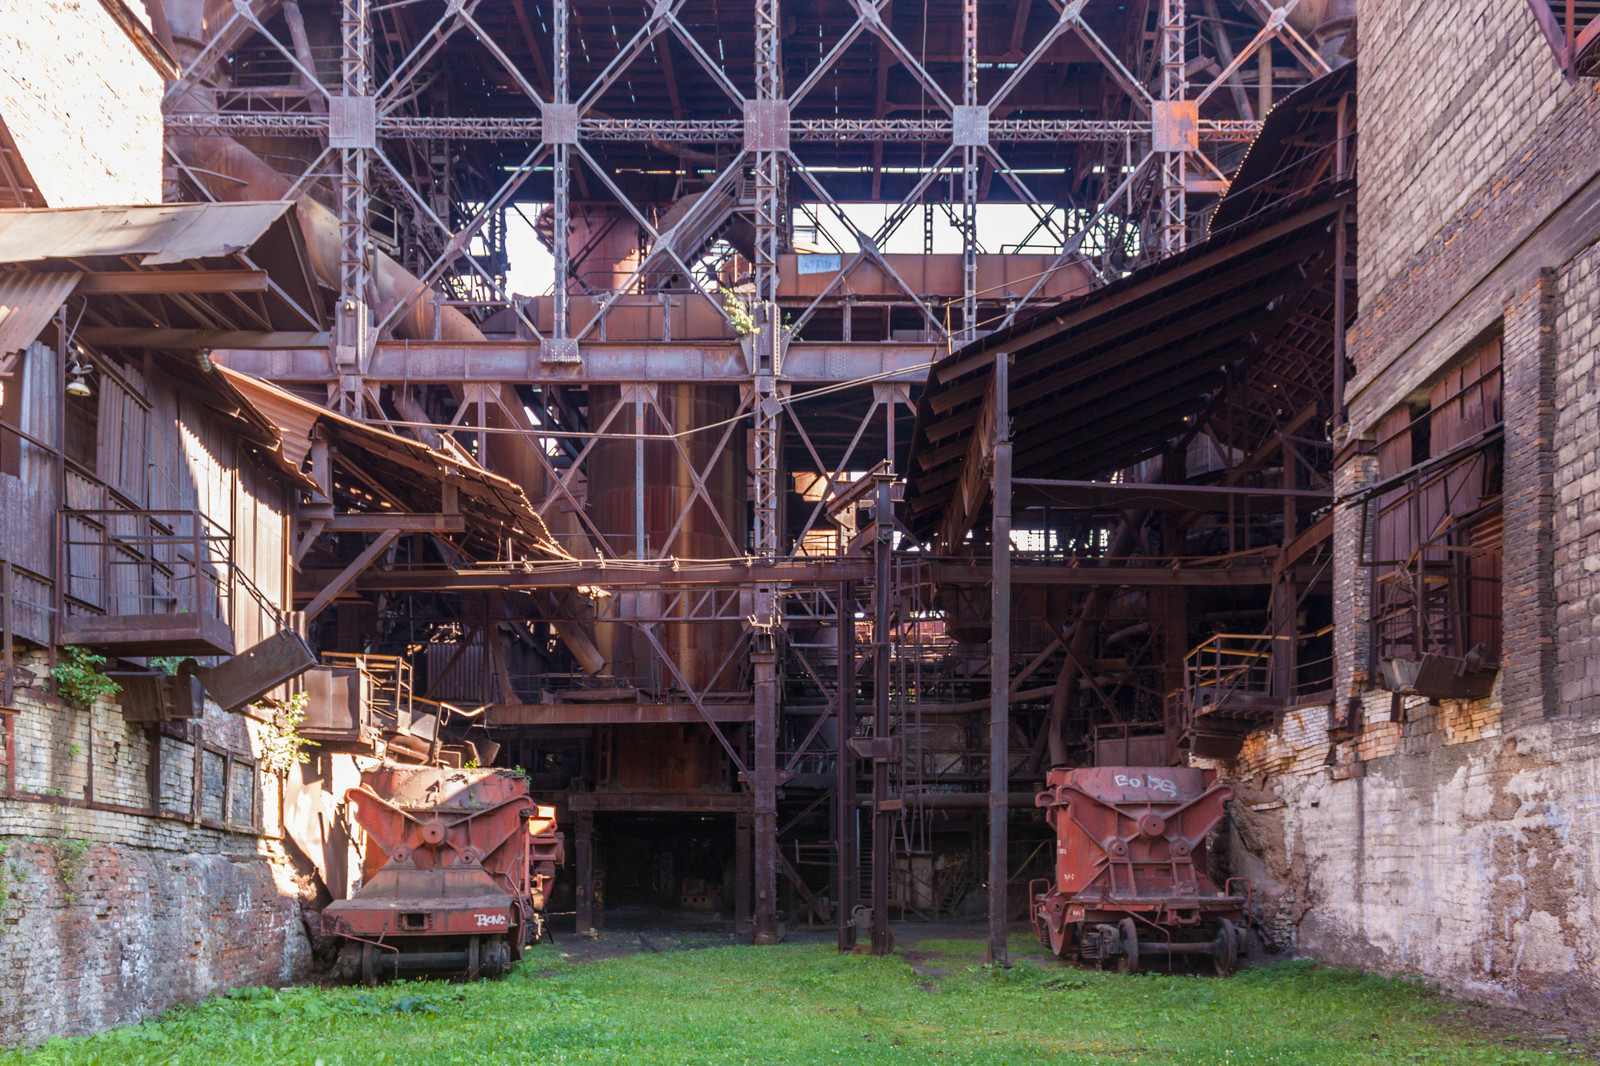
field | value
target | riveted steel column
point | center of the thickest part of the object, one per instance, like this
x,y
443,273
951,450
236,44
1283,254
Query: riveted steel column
x,y
1000,669
969,175
561,200
882,814
764,772
847,874
767,137
1174,86
351,131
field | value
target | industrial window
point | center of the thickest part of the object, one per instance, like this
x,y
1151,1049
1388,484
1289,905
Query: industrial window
x,y
1435,533
1572,28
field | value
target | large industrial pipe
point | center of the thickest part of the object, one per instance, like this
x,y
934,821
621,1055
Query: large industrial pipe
x,y
627,474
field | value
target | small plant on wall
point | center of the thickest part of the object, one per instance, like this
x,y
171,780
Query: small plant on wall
x,y
78,677
71,853
283,746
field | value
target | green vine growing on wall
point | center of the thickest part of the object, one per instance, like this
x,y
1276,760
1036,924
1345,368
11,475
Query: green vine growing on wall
x,y
78,677
283,746
71,853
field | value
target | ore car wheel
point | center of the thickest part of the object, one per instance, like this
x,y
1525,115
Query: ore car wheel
x,y
1226,958
369,965
474,958
1130,946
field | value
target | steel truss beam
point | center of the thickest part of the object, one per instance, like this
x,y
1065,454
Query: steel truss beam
x,y
688,131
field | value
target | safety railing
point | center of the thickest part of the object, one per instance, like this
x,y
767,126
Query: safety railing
x,y
1242,674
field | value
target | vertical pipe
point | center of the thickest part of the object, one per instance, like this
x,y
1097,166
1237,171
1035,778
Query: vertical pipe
x,y
882,817
583,860
848,872
1341,252
1000,667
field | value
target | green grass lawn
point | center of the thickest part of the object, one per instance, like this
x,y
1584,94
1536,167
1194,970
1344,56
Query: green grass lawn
x,y
805,1004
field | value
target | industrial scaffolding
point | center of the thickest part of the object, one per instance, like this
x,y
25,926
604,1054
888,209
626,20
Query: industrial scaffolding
x,y
415,133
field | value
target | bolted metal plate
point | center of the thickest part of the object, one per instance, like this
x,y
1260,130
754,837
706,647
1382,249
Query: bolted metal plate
x,y
559,124
559,350
352,122
766,125
1175,126
970,126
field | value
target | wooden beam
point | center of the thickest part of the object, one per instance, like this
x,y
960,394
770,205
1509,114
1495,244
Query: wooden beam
x,y
182,339
146,283
1315,534
348,575
404,523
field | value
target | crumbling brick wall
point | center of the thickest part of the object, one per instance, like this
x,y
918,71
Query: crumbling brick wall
x,y
82,104
110,914
1458,840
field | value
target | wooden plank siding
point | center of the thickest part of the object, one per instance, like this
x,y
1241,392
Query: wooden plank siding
x,y
156,447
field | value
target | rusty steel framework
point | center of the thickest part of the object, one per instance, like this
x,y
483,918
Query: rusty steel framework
x,y
413,134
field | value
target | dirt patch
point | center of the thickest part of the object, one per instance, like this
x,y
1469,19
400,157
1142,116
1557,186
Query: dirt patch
x,y
1521,1029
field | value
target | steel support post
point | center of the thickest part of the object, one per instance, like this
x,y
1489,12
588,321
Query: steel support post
x,y
847,873
969,176
767,351
764,773
351,134
583,862
882,816
1000,670
561,200
741,873
1174,87
767,367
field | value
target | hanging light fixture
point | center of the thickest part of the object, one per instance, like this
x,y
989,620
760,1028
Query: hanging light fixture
x,y
79,385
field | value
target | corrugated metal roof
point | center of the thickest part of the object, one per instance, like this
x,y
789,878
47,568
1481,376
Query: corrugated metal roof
x,y
162,233
26,303
486,496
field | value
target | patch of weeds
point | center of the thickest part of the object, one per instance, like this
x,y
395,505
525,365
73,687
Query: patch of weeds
x,y
283,746
71,853
78,677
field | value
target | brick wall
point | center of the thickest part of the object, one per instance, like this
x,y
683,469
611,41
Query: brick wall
x,y
108,914
1460,841
1448,90
1576,485
82,104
